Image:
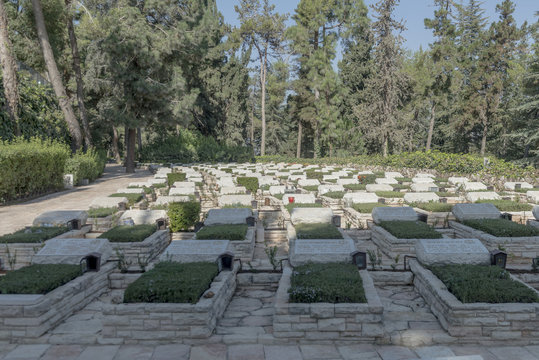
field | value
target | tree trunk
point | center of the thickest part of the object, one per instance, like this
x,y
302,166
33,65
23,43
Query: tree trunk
x,y
78,76
263,104
385,144
56,79
431,126
115,148
485,130
139,139
252,130
9,72
298,150
130,154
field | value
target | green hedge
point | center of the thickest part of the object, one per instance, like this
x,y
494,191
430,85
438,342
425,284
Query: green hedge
x,y
502,227
172,282
36,234
489,284
390,194
38,278
31,168
410,230
310,187
508,205
250,183
330,283
291,206
126,233
317,231
101,212
223,232
334,194
89,165
183,216
433,206
355,186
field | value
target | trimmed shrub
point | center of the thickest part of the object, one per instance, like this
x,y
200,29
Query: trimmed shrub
x,y
330,283
183,216
367,207
434,206
488,284
502,227
126,233
35,234
172,282
390,194
410,230
508,205
310,187
223,232
89,165
317,231
355,186
175,176
250,183
38,278
101,212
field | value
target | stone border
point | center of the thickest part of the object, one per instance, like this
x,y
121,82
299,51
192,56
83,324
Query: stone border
x,y
244,249
391,245
152,323
436,218
357,322
23,318
354,219
512,323
147,250
520,250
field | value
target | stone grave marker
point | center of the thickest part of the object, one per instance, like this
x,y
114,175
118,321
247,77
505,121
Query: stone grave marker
x,y
71,251
421,197
514,185
186,251
393,174
378,187
403,213
231,190
452,251
165,200
475,211
322,189
141,217
130,191
482,195
60,217
474,186
311,215
359,198
107,202
321,251
386,181
456,180
424,187
227,216
277,189
243,200
300,198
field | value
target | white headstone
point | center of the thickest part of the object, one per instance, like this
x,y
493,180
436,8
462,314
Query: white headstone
x,y
231,190
379,187
422,180
474,186
277,189
308,182
535,212
184,184
71,251
107,202
299,198
141,217
322,189
475,211
311,215
227,216
294,177
225,181
174,191
267,180
386,181
347,181
164,200
243,200
186,251
423,187
533,196
157,181
457,180
424,175
140,184
330,177
321,251
404,213
393,174
482,195
359,198
421,197
69,181
452,251
60,217
523,185
130,191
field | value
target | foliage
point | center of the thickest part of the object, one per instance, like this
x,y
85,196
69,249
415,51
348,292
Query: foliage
x,y
488,284
334,194
390,194
86,165
502,227
131,198
171,282
410,230
367,207
434,206
223,232
355,186
291,206
250,183
329,283
38,278
183,215
126,233
101,212
175,176
317,231
34,234
310,187
508,205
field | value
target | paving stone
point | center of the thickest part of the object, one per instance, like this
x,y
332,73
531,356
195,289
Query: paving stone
x,y
534,349
173,351
461,350
208,352
359,352
62,352
424,325
27,352
396,353
246,352
134,352
257,321
319,352
429,352
99,352
512,352
282,352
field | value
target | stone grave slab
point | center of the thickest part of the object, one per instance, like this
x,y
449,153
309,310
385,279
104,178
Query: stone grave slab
x,y
456,180
294,177
475,211
164,200
378,187
532,196
359,198
184,184
71,251
422,180
424,175
60,217
267,180
140,184
231,190
330,177
512,185
474,186
130,191
227,216
322,189
311,215
141,217
243,200
186,251
473,196
347,181
277,189
225,181
402,213
421,197
107,202
424,187
300,198
452,251
157,181
386,181
321,251
393,174
308,182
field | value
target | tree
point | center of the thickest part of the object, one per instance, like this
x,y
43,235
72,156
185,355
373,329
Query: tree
x,y
262,28
56,79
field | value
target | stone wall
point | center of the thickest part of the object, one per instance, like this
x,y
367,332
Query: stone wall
x,y
306,323
244,249
390,245
437,219
514,324
23,318
353,219
145,250
153,323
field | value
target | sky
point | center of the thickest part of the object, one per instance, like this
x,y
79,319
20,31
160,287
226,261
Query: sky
x,y
413,12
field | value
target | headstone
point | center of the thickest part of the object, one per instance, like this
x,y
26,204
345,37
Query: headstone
x,y
165,200
294,177
378,187
482,195
107,202
60,217
277,189
393,174
386,181
231,190
330,177
141,217
299,198
424,187
403,213
514,185
347,181
243,200
157,181
474,186
184,184
227,216
225,181
130,191
359,198
475,211
308,182
186,251
71,251
457,180
311,215
421,197
267,180
451,251
69,181
140,184
322,189
422,180
424,175
322,251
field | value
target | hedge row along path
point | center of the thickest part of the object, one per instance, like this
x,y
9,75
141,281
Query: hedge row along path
x,y
15,217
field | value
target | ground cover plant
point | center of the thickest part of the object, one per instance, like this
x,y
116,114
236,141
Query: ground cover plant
x,y
291,206
38,278
334,194
132,199
34,234
332,283
172,282
502,227
310,187
355,186
175,176
184,215
410,230
404,179
223,232
489,284
390,194
526,190
366,208
279,196
250,183
508,205
126,233
317,231
101,212
367,179
433,206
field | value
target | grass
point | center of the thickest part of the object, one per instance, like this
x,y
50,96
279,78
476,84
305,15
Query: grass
x,y
289,207
526,190
404,179
390,194
317,231
38,278
508,205
502,227
433,206
331,283
175,176
222,232
399,186
126,233
488,284
35,234
367,207
279,196
410,230
132,199
160,186
334,194
172,282
310,187
101,212
355,186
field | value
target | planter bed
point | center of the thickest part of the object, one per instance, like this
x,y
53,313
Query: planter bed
x,y
353,219
436,219
26,317
520,250
312,322
486,323
163,323
104,223
242,248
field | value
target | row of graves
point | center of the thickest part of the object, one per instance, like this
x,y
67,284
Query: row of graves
x,y
175,286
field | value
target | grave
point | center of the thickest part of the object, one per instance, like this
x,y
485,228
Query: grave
x,y
143,216
107,202
482,195
232,190
533,196
474,186
378,187
514,185
242,200
130,191
277,189
456,180
422,180
308,182
388,181
393,174
311,215
227,216
322,189
184,184
424,187
304,251
71,251
359,198
165,200
299,198
421,197
451,251
475,211
60,218
186,251
403,213
347,181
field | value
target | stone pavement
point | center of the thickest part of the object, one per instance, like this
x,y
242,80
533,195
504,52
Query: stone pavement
x,y
16,217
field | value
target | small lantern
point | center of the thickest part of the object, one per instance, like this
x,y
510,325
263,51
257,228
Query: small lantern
x,y
443,200
74,224
359,258
161,224
336,220
122,206
128,222
91,262
225,261
250,220
422,217
507,216
518,186
198,225
267,202
254,204
498,258
381,200
290,199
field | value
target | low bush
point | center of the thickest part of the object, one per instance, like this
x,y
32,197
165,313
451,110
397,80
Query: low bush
x,y
101,212
366,179
366,208
279,196
222,232
175,176
86,165
126,233
315,174
508,205
184,215
334,194
433,206
397,187
410,230
355,186
502,227
250,183
131,198
404,179
488,284
526,190
35,234
160,186
317,231
310,187
330,283
289,207
172,282
38,278
390,194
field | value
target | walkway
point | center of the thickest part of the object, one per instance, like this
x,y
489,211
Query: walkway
x,y
15,217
